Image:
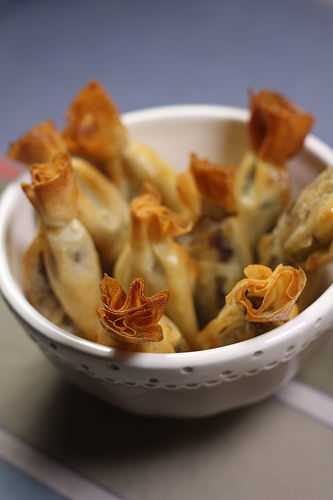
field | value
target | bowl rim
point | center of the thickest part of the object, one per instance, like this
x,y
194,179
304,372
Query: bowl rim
x,y
242,350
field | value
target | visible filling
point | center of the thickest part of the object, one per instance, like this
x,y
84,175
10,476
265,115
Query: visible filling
x,y
219,242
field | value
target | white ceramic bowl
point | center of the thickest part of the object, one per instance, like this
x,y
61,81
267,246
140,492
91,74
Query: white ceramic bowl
x,y
190,384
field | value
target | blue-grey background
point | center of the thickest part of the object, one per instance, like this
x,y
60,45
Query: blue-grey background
x,y
149,53
153,52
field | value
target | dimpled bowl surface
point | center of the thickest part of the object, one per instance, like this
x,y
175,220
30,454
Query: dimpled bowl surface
x,y
191,384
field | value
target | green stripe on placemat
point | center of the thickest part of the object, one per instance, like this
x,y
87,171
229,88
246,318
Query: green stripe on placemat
x,y
318,368
16,485
2,185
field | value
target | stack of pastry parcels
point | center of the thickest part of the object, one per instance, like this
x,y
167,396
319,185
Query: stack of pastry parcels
x,y
130,253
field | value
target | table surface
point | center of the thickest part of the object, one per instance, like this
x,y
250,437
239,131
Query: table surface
x,y
55,439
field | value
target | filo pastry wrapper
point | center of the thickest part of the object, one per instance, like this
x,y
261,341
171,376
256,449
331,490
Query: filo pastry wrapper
x,y
38,145
277,129
304,233
102,210
95,132
216,242
260,302
154,255
215,184
135,322
101,207
36,285
70,257
221,254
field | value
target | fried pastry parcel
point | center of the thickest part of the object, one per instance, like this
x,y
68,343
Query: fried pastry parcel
x,y
102,208
304,233
96,133
277,129
215,242
215,184
262,301
135,322
178,190
220,253
70,257
36,285
262,192
38,145
153,254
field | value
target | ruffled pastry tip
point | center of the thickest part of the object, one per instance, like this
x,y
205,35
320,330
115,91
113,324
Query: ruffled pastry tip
x,y
132,317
